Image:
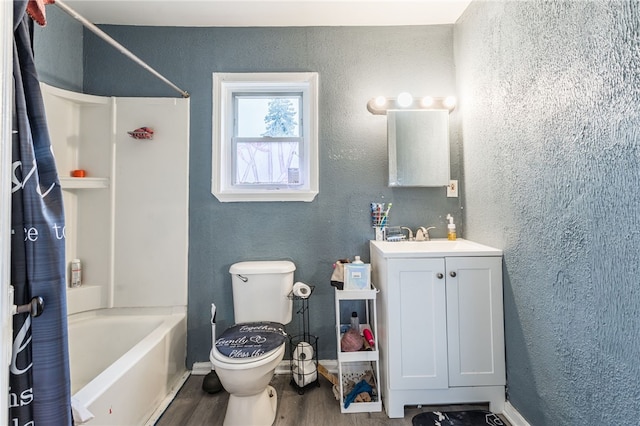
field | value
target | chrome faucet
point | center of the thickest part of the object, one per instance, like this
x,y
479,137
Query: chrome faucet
x,y
410,236
422,233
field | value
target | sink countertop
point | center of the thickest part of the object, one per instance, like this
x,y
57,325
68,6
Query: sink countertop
x,y
435,248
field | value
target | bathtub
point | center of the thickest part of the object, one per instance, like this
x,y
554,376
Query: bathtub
x,y
125,363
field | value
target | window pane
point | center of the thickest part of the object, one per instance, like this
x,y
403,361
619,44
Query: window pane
x,y
268,163
274,116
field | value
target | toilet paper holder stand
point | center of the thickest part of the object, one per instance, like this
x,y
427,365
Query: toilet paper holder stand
x,y
303,348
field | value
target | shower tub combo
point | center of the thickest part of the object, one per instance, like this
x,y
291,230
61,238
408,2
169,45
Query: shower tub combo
x,y
127,321
126,364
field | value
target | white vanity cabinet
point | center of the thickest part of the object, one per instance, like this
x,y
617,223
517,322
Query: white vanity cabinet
x,y
440,323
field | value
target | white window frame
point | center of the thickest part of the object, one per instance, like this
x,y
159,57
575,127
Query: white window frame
x,y
224,86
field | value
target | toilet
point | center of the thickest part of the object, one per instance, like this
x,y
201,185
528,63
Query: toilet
x,y
246,355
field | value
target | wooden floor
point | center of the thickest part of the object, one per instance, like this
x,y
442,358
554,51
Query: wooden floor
x,y
316,407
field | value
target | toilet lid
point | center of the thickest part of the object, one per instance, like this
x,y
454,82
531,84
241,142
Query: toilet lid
x,y
250,340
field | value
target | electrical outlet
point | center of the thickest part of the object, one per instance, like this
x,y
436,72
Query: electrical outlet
x,y
452,188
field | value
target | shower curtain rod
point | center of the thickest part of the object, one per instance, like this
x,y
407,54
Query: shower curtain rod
x,y
117,45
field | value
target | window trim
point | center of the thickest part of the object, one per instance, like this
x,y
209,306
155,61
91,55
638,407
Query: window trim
x,y
224,85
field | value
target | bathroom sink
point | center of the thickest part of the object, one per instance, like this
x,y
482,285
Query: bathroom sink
x,y
435,247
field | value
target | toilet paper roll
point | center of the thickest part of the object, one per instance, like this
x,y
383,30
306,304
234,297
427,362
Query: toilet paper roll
x,y
303,352
304,372
301,290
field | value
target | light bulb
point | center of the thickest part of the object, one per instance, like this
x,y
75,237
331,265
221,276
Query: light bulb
x,y
405,99
427,101
449,102
380,101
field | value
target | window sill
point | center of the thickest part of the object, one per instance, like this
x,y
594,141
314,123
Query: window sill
x,y
262,196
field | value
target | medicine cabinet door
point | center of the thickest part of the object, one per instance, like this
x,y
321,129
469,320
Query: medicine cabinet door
x,y
418,144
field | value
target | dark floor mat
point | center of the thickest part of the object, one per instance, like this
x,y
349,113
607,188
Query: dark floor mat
x,y
457,418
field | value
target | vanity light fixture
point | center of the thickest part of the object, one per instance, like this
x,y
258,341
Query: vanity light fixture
x,y
379,105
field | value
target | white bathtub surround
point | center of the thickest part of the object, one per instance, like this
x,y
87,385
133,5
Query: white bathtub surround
x,y
137,360
127,221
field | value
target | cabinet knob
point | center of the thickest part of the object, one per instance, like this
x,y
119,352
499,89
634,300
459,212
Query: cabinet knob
x,y
452,273
439,275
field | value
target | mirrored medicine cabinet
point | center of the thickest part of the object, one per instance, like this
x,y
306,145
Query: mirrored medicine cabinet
x,y
418,147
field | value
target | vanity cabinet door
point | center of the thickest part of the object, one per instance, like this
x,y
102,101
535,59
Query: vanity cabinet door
x,y
417,335
475,321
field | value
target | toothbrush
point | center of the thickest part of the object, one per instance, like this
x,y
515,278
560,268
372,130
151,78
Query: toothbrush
x,y
386,215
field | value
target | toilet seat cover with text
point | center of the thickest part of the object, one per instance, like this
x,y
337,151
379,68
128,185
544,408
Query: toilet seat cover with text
x,y
250,340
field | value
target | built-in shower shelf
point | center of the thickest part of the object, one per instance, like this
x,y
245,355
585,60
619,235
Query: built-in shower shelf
x,y
85,298
83,182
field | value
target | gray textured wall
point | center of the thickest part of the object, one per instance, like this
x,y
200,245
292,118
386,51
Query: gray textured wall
x,y
58,49
354,64
551,124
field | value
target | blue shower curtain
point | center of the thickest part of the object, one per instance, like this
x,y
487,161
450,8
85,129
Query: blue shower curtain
x,y
39,381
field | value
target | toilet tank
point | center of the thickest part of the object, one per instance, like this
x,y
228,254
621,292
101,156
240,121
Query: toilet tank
x,y
262,290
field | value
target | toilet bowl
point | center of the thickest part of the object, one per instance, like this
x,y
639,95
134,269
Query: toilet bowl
x,y
246,355
251,400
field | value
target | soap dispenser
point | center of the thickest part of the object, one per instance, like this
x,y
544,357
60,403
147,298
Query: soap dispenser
x,y
451,228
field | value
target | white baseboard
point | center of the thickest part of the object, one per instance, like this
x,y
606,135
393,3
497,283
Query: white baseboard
x,y
513,416
201,368
204,368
